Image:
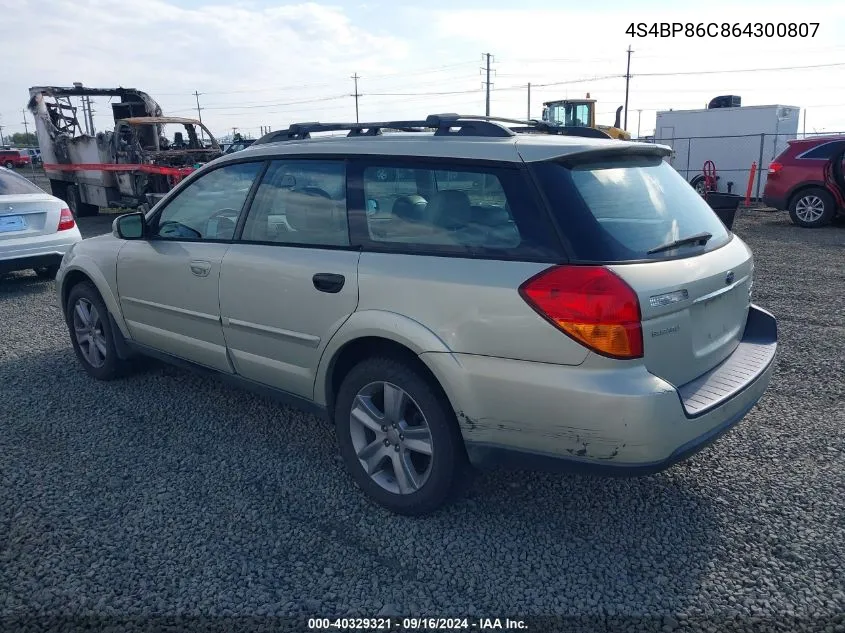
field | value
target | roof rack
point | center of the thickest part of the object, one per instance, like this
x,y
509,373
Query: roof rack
x,y
442,125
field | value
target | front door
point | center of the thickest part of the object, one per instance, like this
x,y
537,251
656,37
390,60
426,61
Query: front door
x,y
291,280
168,282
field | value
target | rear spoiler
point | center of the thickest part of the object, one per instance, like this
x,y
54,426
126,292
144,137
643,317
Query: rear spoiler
x,y
632,150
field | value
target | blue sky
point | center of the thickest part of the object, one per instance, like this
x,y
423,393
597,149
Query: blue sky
x,y
269,63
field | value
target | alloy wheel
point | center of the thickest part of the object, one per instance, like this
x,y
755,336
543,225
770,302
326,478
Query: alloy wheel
x,y
809,208
88,328
391,438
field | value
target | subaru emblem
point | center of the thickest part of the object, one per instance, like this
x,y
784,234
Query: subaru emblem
x,y
729,277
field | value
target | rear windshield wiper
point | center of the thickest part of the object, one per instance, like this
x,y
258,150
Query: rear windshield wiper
x,y
698,238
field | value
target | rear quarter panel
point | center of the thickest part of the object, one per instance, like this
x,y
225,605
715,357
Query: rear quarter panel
x,y
472,305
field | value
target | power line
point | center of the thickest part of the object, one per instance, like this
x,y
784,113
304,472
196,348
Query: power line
x,y
738,70
411,73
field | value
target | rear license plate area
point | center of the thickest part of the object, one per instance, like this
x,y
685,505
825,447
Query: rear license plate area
x,y
12,223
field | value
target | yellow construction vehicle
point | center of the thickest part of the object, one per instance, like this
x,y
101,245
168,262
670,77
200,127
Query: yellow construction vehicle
x,y
581,113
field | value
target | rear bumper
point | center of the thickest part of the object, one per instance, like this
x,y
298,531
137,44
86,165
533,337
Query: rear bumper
x,y
25,263
592,419
776,202
36,252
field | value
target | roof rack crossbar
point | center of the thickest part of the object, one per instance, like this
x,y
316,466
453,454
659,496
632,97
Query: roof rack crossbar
x,y
449,124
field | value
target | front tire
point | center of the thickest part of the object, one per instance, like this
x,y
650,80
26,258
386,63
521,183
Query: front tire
x,y
398,436
90,331
8,164
812,208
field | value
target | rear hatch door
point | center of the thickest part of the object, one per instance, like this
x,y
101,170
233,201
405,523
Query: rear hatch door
x,y
693,310
624,207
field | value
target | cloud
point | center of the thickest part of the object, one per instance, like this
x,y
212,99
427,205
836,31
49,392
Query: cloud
x,y
171,51
271,65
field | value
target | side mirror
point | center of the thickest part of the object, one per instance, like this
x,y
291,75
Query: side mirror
x,y
372,206
131,226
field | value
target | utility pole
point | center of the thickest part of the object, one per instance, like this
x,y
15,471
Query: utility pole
x,y
529,101
25,126
355,78
639,118
487,83
627,84
91,117
234,129
199,114
2,142
83,99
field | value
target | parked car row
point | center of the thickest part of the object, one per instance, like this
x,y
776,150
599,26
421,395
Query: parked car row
x,y
11,158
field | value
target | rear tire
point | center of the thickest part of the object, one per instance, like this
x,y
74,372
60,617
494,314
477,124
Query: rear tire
x,y
90,332
47,272
415,450
812,208
8,164
77,207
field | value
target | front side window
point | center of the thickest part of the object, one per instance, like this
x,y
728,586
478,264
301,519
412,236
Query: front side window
x,y
627,209
209,207
455,208
300,202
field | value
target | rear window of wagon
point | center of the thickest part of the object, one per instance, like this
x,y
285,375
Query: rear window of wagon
x,y
618,209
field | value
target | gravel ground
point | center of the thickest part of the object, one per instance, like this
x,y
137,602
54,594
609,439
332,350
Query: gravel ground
x,y
168,495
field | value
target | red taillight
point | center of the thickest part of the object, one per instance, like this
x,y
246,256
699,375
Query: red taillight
x,y
774,168
66,220
592,305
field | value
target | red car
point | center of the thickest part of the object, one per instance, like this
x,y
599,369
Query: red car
x,y
803,179
14,158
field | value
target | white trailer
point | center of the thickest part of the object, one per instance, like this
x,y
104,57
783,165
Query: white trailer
x,y
732,138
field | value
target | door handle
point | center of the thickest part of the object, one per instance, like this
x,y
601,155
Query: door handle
x,y
200,269
328,282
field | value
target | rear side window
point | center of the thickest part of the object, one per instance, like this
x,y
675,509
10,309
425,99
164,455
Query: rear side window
x,y
454,209
12,184
620,209
825,151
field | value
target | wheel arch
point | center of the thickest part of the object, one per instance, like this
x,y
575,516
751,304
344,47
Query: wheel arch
x,y
803,186
77,274
373,333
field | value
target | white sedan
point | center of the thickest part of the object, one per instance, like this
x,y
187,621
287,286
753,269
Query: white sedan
x,y
35,228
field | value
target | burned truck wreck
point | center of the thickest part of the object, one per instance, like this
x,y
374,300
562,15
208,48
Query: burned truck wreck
x,y
140,159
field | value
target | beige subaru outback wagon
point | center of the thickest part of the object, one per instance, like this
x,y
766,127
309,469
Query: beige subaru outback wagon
x,y
460,291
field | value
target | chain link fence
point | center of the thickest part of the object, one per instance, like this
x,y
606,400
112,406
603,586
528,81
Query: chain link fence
x,y
732,157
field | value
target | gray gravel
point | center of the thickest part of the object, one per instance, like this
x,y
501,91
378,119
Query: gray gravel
x,y
166,494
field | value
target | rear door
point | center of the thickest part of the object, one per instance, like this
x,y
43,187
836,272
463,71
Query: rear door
x,y
168,282
625,213
291,279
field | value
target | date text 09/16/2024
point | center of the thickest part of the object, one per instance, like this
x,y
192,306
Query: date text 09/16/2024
x,y
416,624
723,29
